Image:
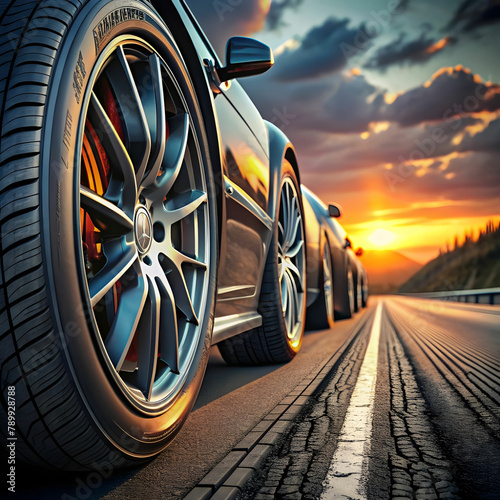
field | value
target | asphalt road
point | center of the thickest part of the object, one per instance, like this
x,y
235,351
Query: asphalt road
x,y
433,422
432,429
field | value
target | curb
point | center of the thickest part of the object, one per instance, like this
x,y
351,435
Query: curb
x,y
226,480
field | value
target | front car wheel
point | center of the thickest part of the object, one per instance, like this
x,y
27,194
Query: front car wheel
x,y
118,240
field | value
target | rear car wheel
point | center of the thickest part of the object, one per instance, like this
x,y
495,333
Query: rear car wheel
x,y
358,303
282,302
350,293
347,297
321,313
108,233
364,294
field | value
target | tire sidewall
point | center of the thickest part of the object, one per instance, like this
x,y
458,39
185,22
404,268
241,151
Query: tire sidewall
x,y
365,294
126,428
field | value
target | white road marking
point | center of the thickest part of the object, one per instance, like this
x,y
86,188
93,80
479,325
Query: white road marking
x,y
347,475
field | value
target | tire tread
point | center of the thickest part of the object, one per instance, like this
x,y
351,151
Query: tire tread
x,y
52,429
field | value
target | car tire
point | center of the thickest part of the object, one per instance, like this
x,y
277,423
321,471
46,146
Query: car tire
x,y
106,293
347,310
358,302
320,314
364,294
279,338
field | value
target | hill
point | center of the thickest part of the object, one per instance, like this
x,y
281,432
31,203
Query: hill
x,y
387,270
473,265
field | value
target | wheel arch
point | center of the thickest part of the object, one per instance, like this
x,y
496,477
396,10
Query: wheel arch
x,y
280,148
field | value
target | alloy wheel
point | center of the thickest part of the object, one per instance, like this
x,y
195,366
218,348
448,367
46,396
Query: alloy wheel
x,y
144,223
291,260
328,280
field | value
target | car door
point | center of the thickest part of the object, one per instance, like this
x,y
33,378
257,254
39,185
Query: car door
x,y
246,177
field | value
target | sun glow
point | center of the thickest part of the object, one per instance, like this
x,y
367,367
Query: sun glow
x,y
381,237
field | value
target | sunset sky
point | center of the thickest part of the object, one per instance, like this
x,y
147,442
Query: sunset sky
x,y
393,106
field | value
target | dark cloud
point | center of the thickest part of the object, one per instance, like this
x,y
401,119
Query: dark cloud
x,y
407,52
354,105
337,103
474,14
222,19
275,17
486,140
395,145
474,176
452,92
325,49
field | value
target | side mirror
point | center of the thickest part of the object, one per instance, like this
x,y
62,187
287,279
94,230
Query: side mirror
x,y
347,243
335,211
359,252
245,57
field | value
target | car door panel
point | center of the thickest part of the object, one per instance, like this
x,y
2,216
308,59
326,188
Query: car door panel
x,y
248,227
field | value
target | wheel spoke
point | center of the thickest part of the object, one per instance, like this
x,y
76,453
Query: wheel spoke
x,y
120,258
290,227
289,200
173,158
158,151
282,269
284,294
295,228
290,305
180,258
169,332
148,334
284,208
177,280
128,314
295,300
132,111
281,236
121,193
106,216
185,205
293,252
295,276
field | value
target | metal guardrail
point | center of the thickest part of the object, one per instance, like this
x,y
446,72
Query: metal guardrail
x,y
485,296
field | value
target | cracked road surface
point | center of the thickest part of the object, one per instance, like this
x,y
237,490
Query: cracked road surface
x,y
433,429
420,420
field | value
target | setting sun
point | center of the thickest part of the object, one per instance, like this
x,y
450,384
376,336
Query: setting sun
x,y
381,237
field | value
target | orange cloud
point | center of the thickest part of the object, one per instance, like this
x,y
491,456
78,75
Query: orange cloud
x,y
438,45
